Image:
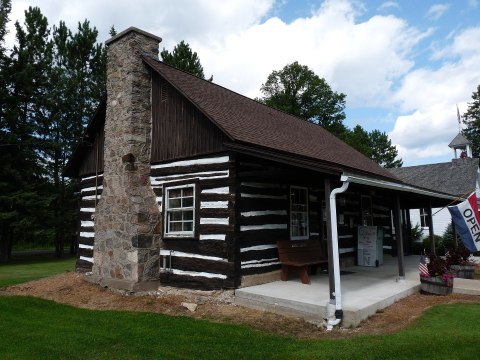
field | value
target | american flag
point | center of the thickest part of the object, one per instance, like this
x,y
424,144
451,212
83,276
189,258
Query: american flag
x,y
423,266
459,118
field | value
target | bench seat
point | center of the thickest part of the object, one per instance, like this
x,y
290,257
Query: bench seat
x,y
300,255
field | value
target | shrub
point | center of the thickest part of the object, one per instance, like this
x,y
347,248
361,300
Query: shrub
x,y
458,256
438,244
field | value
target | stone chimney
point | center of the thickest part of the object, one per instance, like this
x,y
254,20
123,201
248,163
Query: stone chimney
x,y
127,219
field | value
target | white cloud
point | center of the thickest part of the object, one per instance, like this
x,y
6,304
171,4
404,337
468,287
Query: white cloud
x,y
436,11
388,5
430,95
473,3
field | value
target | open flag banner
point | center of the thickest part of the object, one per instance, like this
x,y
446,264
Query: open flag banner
x,y
467,220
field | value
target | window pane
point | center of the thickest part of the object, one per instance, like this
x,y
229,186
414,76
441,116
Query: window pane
x,y
188,226
174,193
176,216
188,202
187,191
175,226
188,215
174,203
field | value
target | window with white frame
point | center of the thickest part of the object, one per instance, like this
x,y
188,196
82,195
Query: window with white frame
x,y
180,210
298,213
423,217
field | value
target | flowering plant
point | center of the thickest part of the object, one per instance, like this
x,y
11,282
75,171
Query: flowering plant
x,y
458,256
438,267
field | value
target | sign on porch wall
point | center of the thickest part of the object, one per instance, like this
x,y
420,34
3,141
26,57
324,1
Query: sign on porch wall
x,y
370,246
467,220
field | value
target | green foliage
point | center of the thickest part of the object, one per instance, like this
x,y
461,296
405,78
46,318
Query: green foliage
x,y
297,90
32,269
51,84
383,152
182,57
439,249
448,241
375,144
471,119
32,329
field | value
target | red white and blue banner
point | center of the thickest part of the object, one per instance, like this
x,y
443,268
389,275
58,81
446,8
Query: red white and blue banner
x,y
467,220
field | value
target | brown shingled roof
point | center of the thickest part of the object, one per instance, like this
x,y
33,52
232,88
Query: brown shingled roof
x,y
248,122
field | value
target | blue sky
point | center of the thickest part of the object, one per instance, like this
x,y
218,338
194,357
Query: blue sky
x,y
404,65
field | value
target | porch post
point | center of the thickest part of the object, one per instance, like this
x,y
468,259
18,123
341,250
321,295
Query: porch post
x,y
399,238
331,280
430,228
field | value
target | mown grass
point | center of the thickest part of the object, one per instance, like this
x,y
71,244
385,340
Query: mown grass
x,y
39,329
26,269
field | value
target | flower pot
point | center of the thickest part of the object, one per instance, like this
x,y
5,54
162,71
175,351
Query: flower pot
x,y
463,271
436,285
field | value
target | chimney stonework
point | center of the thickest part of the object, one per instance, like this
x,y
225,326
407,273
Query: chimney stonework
x,y
128,221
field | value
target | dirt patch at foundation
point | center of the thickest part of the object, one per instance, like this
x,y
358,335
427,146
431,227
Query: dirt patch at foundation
x,y
218,306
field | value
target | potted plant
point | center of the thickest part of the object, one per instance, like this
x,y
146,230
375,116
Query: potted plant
x,y
458,261
438,279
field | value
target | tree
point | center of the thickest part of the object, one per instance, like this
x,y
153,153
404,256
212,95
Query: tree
x,y
25,194
359,139
383,152
297,90
471,118
183,58
79,73
375,144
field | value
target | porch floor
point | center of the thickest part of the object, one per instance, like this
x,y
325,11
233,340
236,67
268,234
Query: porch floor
x,y
365,290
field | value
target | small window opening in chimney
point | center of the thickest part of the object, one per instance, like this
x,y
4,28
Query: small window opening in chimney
x,y
163,92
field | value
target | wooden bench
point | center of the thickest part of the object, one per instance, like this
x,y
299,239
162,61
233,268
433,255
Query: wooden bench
x,y
300,255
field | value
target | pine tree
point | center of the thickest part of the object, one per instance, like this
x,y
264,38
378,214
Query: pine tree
x,y
471,119
25,193
182,57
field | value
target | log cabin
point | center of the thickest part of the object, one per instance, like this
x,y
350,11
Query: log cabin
x,y
187,183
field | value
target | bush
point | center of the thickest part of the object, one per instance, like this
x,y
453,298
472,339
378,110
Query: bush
x,y
425,245
458,255
448,240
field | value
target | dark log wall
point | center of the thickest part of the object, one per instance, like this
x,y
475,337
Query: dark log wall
x,y
179,129
263,212
350,217
91,190
94,153
208,259
382,218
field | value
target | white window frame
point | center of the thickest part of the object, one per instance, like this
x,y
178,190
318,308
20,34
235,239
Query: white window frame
x,y
423,218
168,211
306,236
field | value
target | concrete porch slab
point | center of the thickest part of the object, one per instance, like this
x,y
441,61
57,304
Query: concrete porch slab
x,y
365,290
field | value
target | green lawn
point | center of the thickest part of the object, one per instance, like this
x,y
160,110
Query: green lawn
x,y
39,329
32,328
28,269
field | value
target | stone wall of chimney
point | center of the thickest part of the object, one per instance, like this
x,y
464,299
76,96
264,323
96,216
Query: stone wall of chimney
x,y
128,221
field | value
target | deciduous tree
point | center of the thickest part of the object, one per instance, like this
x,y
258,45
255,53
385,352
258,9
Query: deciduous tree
x,y
297,90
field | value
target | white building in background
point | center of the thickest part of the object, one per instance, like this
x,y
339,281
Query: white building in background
x,y
459,177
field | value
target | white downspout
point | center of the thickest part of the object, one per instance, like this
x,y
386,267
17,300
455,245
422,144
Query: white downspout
x,y
336,255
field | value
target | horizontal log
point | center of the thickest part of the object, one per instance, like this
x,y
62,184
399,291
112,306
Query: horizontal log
x,y
261,220
201,265
85,252
259,270
204,247
188,169
196,282
83,266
